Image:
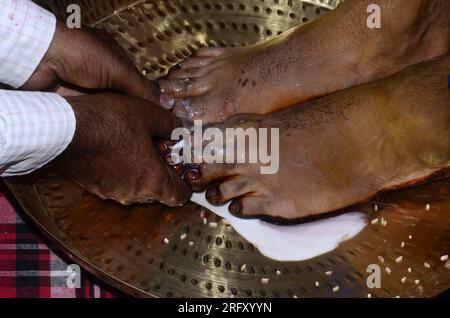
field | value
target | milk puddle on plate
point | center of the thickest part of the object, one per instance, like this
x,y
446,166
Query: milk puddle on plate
x,y
292,242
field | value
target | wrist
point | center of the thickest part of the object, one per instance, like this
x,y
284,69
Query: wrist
x,y
80,140
55,56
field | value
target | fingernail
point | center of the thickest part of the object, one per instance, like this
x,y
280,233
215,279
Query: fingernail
x,y
164,147
166,101
179,169
170,160
171,143
235,208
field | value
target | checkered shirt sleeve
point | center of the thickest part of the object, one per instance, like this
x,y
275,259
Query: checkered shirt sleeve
x,y
34,127
26,31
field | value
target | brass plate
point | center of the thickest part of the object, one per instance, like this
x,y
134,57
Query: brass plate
x,y
125,245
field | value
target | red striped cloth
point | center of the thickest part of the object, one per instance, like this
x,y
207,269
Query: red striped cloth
x,y
31,267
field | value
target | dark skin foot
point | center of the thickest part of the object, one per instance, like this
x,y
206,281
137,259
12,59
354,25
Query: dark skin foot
x,y
342,149
332,53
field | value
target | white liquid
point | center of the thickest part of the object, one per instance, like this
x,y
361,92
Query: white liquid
x,y
293,242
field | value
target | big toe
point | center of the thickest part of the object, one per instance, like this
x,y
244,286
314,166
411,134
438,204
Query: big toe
x,y
197,62
211,52
188,72
184,87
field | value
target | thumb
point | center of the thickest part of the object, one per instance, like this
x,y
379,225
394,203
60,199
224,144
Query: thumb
x,y
177,192
160,122
137,85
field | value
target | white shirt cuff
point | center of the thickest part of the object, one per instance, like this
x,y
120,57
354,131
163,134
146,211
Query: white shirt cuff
x,y
35,128
26,31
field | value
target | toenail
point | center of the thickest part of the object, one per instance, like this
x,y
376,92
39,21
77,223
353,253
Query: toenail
x,y
166,101
235,208
192,166
187,103
212,193
191,175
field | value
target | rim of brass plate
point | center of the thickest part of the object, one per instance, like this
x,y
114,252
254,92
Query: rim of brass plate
x,y
172,30
127,246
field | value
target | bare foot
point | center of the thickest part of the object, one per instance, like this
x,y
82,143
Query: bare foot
x,y
332,53
342,149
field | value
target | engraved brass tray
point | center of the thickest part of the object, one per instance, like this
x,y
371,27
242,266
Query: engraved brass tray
x,y
142,250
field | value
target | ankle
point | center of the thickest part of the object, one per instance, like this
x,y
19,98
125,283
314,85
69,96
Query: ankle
x,y
408,35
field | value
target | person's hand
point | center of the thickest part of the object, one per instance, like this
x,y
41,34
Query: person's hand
x,y
91,59
113,154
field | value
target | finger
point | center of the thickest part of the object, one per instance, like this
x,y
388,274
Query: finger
x,y
176,191
131,82
118,70
160,122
